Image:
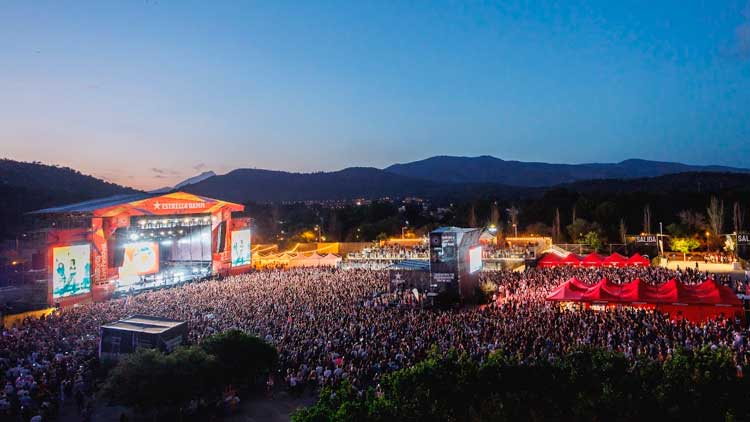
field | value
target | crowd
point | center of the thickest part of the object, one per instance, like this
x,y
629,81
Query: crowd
x,y
331,325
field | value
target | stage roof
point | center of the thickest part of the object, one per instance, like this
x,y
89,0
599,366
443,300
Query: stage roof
x,y
144,204
410,264
144,324
449,229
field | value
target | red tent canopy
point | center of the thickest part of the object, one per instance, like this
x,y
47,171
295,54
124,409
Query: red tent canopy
x,y
592,260
571,259
638,260
707,293
570,291
606,291
663,293
615,260
549,260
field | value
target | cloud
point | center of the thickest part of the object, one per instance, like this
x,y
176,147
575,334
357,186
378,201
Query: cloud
x,y
199,166
164,171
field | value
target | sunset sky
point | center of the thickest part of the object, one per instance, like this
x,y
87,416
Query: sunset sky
x,y
147,93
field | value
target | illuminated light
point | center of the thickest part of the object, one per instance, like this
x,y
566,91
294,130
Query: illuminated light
x,y
161,233
169,232
180,231
166,242
133,236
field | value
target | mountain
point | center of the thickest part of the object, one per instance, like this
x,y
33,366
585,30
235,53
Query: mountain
x,y
195,179
244,185
488,169
27,186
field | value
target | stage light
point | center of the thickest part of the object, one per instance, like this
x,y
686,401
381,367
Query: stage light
x,y
180,231
161,233
133,236
169,232
166,242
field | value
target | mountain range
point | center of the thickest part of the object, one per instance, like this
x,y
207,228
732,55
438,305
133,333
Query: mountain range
x,y
488,169
441,177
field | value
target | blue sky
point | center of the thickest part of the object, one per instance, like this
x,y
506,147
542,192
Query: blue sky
x,y
147,93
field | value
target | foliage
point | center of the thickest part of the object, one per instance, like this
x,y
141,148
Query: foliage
x,y
151,380
587,384
592,240
242,358
684,244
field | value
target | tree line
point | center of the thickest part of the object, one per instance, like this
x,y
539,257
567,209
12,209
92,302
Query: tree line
x,y
588,384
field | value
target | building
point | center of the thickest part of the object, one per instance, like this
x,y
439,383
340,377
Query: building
x,y
140,331
92,249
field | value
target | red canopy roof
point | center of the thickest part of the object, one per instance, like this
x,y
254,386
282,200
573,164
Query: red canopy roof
x,y
615,260
571,290
549,260
571,259
592,260
707,293
638,260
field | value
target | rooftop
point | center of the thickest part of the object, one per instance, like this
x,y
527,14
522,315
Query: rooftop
x,y
144,324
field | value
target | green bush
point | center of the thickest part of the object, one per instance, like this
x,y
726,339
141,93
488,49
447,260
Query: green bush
x,y
587,384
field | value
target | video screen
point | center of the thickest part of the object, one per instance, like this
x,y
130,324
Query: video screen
x,y
475,259
71,274
241,254
141,258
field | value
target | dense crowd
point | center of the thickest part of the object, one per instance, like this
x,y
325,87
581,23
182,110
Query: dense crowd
x,y
331,325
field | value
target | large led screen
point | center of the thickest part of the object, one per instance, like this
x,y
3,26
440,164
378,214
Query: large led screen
x,y
475,259
71,273
141,258
241,248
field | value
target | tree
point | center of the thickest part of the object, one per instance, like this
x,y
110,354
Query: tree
x,y
579,228
592,240
738,217
539,228
692,221
513,213
242,358
647,218
684,245
556,229
623,231
472,216
149,380
494,214
715,212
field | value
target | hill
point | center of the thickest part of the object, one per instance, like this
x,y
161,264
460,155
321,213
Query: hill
x,y
487,169
28,186
244,185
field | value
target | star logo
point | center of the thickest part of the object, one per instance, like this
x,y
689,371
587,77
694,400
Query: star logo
x,y
157,205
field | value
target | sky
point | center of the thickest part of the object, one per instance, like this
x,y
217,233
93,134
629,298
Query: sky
x,y
147,93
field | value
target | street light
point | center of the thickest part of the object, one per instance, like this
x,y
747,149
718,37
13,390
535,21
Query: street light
x,y
515,230
404,228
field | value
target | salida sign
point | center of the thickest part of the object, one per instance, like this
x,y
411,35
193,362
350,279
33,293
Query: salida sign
x,y
646,239
743,239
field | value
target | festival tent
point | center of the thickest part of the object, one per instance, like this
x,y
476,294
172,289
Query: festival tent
x,y
662,293
330,260
638,260
703,301
570,291
606,291
592,260
571,259
615,260
549,260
